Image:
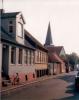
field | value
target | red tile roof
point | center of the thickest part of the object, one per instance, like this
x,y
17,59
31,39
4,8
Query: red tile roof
x,y
56,49
53,57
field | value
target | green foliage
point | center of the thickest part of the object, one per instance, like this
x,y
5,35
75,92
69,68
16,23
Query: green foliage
x,y
72,59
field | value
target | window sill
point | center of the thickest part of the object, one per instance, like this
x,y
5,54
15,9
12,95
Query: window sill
x,y
19,64
25,64
12,64
20,37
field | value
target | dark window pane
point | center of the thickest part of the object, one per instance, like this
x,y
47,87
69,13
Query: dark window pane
x,y
13,53
20,56
11,29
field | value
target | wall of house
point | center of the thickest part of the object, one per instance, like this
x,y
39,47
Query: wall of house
x,y
5,24
59,68
56,68
41,56
41,66
41,62
63,67
22,69
19,38
50,68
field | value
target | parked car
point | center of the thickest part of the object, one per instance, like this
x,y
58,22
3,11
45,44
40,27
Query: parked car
x,y
77,81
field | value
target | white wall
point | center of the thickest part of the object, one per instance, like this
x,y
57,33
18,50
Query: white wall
x,y
18,37
19,68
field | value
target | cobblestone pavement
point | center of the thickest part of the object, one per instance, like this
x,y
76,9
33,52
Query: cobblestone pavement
x,y
60,87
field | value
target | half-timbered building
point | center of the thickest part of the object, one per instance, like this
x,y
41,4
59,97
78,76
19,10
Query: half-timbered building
x,y
21,53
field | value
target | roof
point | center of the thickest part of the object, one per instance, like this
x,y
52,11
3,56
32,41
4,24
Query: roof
x,y
9,15
33,40
9,38
49,36
56,49
53,57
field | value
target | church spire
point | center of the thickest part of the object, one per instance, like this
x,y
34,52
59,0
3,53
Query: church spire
x,y
49,41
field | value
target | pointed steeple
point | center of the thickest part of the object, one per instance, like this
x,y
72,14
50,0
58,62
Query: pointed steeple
x,y
49,41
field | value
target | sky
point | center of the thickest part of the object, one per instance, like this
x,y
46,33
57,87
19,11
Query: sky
x,y
62,14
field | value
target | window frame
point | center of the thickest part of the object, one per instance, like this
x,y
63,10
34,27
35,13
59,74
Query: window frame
x,y
10,27
20,56
13,55
26,57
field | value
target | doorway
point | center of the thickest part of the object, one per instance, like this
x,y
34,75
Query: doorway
x,y
5,61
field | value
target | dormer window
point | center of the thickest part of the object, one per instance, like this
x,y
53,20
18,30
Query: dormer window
x,y
20,29
10,22
11,29
10,26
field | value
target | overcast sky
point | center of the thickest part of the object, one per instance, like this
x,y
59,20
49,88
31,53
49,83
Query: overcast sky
x,y
62,14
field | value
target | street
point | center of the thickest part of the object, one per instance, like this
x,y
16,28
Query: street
x,y
58,88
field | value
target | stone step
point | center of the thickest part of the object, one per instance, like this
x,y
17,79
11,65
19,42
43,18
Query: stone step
x,y
6,82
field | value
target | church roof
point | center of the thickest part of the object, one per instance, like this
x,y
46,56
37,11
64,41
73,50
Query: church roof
x,y
56,49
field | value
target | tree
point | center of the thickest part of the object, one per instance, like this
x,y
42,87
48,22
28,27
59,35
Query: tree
x,y
73,59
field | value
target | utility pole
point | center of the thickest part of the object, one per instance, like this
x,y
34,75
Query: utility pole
x,y
2,4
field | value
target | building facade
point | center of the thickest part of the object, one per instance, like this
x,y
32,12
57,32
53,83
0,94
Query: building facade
x,y
19,52
41,55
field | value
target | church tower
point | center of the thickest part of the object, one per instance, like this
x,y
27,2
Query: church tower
x,y
49,41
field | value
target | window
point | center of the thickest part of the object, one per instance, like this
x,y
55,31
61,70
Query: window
x,y
40,57
13,55
43,57
20,56
29,57
11,26
37,56
32,57
11,22
26,57
11,29
46,58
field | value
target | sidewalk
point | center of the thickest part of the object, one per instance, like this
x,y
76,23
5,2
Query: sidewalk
x,y
12,88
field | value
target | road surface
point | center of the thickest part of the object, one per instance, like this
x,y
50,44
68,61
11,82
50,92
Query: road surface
x,y
58,88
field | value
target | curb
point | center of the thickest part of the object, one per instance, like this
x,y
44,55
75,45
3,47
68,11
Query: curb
x,y
13,89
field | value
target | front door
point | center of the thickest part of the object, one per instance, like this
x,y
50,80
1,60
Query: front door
x,y
5,60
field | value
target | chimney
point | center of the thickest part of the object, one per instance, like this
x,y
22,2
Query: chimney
x,y
2,11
